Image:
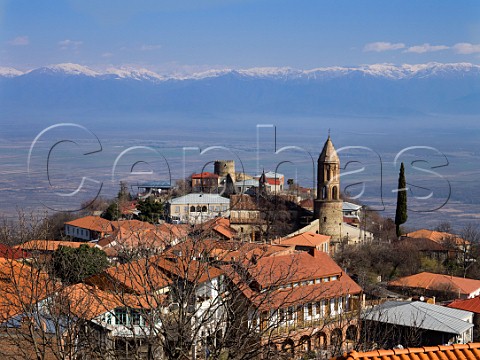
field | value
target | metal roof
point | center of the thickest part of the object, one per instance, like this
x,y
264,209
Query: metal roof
x,y
348,206
249,182
421,315
200,199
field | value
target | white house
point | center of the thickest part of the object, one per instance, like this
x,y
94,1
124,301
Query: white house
x,y
197,208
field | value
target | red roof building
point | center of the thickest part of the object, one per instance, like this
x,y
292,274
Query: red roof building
x,y
448,352
444,286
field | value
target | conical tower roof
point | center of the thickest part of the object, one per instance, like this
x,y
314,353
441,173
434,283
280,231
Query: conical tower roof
x,y
328,154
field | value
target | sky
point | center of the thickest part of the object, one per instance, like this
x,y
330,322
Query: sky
x,y
195,35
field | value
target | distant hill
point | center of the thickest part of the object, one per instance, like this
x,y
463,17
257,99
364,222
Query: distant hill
x,y
379,89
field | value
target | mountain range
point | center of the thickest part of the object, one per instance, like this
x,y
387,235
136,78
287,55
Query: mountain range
x,y
379,89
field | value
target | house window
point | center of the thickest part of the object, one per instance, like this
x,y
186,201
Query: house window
x,y
192,208
177,209
310,309
121,316
290,313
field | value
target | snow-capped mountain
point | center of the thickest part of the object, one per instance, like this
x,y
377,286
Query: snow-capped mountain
x,y
387,71
366,89
9,72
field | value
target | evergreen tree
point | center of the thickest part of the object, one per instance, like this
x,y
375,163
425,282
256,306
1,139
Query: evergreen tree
x,y
112,213
73,265
150,210
401,212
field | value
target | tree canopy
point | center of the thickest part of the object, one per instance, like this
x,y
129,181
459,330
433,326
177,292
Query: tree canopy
x,y
72,265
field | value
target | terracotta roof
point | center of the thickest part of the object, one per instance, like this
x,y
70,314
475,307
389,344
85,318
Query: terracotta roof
x,y
443,352
226,250
244,202
139,276
422,244
87,302
437,236
132,225
94,223
132,234
20,286
472,305
273,181
51,245
307,203
219,225
8,252
205,175
438,282
189,269
286,269
306,239
303,294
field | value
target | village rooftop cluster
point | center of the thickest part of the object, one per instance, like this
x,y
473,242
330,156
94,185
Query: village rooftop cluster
x,y
237,267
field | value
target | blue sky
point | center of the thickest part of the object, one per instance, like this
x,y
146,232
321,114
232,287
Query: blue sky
x,y
191,35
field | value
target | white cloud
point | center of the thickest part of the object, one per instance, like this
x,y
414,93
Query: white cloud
x,y
107,54
147,47
20,41
466,48
421,49
69,44
383,46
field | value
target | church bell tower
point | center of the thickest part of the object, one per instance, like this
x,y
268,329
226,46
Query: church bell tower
x,y
328,205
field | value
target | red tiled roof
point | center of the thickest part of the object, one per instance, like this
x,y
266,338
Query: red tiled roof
x,y
306,239
219,225
286,269
51,245
87,302
472,305
131,234
189,269
205,175
140,276
442,352
21,285
422,244
94,223
13,253
437,236
307,203
271,181
132,225
439,282
302,294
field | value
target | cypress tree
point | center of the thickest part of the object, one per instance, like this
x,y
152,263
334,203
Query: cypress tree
x,y
401,212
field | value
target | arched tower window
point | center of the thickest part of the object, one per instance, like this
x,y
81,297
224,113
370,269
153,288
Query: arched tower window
x,y
192,208
324,193
335,193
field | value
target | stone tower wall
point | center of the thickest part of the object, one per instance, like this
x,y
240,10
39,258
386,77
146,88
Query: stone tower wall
x,y
330,216
224,167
